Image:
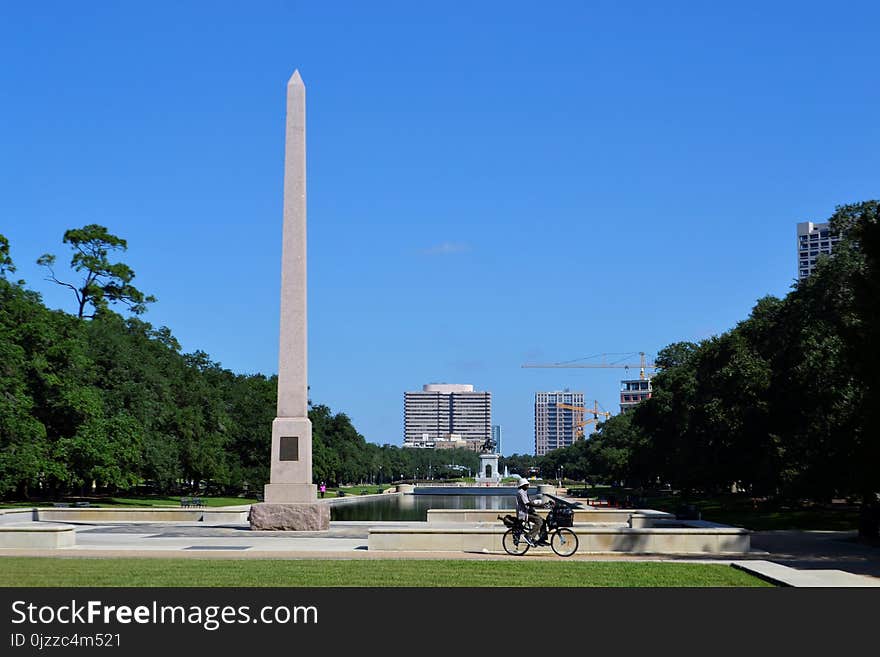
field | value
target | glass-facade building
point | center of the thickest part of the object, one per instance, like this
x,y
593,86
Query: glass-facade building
x,y
496,437
555,425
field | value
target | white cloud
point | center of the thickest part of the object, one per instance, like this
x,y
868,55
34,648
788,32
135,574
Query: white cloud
x,y
446,248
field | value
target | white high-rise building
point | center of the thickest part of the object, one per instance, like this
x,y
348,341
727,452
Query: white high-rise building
x,y
555,425
813,240
446,411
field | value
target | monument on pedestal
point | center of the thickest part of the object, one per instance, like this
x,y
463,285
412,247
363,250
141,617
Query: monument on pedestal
x,y
291,500
488,472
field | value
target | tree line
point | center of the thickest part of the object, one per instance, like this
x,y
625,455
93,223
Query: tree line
x,y
94,401
783,405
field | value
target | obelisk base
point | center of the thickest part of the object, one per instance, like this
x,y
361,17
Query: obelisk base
x,y
291,517
290,493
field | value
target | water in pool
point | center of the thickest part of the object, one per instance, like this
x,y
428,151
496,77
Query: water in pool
x,y
415,507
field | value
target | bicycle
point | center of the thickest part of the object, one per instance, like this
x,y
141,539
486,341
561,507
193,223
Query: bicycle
x,y
562,540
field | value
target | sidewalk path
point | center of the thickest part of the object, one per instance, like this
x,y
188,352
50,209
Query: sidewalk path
x,y
819,550
795,558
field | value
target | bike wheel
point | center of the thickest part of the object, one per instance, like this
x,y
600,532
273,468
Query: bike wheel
x,y
564,542
514,543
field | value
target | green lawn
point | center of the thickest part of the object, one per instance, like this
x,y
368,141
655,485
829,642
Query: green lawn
x,y
39,571
366,489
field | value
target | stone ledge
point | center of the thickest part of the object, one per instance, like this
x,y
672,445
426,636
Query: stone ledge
x,y
728,540
218,515
9,516
34,536
580,515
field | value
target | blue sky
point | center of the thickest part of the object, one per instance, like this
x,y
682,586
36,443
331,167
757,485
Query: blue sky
x,y
488,183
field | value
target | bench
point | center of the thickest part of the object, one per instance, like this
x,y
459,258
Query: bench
x,y
189,502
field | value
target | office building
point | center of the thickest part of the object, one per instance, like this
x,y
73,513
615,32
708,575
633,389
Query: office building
x,y
496,437
813,240
442,412
556,425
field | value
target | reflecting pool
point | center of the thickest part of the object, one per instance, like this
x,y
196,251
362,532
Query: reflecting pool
x,y
415,507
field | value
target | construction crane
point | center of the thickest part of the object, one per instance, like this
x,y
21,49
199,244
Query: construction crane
x,y
580,424
643,363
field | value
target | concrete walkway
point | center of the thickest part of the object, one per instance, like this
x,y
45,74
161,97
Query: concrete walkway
x,y
819,550
789,558
787,576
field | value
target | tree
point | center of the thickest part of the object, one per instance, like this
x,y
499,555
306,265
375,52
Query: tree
x,y
104,282
613,452
519,464
6,264
23,446
666,417
860,225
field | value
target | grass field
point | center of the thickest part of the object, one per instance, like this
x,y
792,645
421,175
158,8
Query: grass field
x,y
38,571
362,489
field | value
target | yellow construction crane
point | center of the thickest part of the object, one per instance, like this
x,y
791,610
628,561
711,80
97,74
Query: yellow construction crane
x,y
581,423
643,363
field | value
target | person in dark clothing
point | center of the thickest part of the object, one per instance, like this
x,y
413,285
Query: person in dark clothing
x,y
525,510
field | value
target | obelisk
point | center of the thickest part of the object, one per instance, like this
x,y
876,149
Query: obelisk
x,y
291,500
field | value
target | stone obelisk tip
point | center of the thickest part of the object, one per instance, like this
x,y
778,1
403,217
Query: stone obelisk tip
x,y
295,79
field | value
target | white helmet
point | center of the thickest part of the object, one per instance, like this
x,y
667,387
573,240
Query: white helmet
x,y
523,482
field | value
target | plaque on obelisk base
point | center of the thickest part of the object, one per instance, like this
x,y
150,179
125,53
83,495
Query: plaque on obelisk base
x,y
291,499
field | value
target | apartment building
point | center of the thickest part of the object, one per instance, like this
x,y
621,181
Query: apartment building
x,y
446,411
813,240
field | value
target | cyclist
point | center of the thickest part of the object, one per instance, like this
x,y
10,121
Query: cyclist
x,y
525,510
